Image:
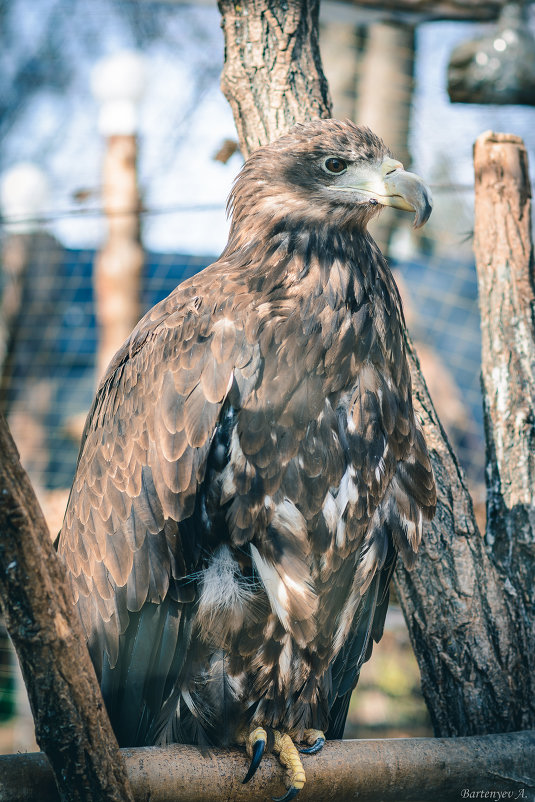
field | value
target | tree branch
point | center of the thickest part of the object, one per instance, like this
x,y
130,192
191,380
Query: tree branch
x,y
411,769
71,723
476,664
414,11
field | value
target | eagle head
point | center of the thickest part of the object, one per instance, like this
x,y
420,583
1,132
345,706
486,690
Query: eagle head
x,y
327,170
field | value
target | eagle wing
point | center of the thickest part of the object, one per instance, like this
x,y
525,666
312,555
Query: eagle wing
x,y
128,538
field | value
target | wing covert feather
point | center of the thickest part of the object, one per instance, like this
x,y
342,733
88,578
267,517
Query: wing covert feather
x,y
143,457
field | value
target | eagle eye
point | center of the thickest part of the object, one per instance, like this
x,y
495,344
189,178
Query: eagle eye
x,y
334,165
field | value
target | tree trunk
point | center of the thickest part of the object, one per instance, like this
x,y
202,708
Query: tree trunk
x,y
71,723
272,65
477,664
468,631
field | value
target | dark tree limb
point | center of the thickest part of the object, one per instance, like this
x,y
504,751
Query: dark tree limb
x,y
468,631
504,259
414,11
72,726
387,770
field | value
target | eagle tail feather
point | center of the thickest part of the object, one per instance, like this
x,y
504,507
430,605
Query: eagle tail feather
x,y
367,627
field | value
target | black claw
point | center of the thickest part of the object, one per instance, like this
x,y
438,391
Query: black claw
x,y
258,751
316,747
291,793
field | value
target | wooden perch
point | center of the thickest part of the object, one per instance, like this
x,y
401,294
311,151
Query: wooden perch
x,y
411,769
71,723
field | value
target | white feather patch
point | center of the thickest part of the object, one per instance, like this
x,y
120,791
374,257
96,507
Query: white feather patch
x,y
286,517
414,530
276,592
330,513
348,491
219,672
380,470
346,619
228,485
224,598
236,454
285,663
340,533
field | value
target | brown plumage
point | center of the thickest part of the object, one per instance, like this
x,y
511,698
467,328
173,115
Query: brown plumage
x,y
252,465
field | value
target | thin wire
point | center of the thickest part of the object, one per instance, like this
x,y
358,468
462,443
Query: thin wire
x,y
99,211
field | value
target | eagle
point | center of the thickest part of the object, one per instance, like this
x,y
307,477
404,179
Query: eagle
x,y
251,467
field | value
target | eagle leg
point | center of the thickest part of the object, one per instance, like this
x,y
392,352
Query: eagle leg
x,y
285,748
316,739
255,744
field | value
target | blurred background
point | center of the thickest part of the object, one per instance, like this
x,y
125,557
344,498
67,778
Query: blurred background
x,y
117,153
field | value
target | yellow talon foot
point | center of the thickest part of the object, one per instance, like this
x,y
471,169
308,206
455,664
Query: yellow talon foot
x,y
315,739
255,744
285,748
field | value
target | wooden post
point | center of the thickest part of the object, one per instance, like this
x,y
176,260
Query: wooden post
x,y
341,55
385,90
414,11
504,259
71,723
118,83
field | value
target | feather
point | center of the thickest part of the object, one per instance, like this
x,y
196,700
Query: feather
x,y
200,416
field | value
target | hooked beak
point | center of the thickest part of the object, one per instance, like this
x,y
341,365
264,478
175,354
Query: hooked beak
x,y
391,185
404,190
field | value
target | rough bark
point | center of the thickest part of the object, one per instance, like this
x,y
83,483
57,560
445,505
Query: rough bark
x,y
504,259
411,769
119,264
272,62
71,723
468,632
